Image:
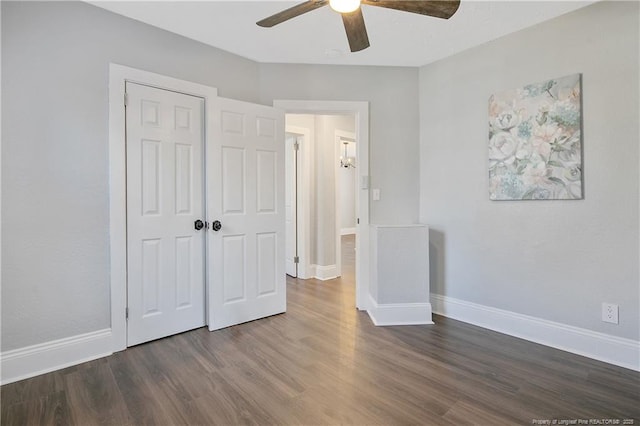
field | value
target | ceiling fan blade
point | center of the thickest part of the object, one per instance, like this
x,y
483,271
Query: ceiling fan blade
x,y
356,30
438,8
292,12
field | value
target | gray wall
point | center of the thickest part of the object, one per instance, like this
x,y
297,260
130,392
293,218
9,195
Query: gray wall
x,y
557,260
55,195
392,93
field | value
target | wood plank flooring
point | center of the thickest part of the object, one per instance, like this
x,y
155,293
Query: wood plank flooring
x,y
325,363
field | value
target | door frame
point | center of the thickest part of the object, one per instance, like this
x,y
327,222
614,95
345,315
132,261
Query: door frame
x,y
360,110
292,182
118,75
304,202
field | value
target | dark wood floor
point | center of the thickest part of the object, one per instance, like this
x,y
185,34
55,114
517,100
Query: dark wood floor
x,y
323,362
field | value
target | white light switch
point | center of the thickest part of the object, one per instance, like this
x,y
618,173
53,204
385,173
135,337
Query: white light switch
x,y
376,194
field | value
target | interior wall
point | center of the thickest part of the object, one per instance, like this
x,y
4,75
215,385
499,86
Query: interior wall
x,y
55,194
392,93
556,260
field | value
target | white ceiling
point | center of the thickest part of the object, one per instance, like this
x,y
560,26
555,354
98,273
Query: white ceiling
x,y
318,37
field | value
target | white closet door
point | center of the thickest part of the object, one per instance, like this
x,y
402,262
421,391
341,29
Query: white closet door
x,y
245,194
165,196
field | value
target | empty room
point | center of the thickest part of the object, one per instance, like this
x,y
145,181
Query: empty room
x,y
320,212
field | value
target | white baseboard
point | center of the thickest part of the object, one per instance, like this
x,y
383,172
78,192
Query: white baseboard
x,y
399,313
324,273
602,347
303,271
347,231
22,363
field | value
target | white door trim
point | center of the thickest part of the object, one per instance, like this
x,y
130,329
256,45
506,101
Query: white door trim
x,y
118,74
304,202
361,112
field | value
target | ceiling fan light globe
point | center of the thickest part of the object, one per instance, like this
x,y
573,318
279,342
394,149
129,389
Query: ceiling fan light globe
x,y
344,6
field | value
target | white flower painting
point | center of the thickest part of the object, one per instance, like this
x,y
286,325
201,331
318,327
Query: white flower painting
x,y
535,141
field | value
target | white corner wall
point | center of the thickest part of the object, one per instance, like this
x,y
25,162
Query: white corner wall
x,y
554,261
399,277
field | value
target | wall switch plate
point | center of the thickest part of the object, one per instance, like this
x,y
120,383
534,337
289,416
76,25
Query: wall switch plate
x,y
610,313
376,194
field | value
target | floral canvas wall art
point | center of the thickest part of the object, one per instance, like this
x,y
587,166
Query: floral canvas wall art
x,y
535,141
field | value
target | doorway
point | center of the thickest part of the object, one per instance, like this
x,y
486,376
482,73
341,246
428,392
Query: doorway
x,y
325,176
360,113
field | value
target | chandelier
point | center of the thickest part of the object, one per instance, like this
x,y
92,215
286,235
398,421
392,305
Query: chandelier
x,y
345,161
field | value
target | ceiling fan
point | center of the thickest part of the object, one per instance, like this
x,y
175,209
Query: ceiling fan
x,y
352,14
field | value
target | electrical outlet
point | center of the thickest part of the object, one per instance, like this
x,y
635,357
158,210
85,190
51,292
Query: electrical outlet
x,y
610,313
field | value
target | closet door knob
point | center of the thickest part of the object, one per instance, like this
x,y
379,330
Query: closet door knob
x,y
216,225
198,224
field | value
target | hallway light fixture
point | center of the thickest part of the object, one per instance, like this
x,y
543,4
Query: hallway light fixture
x,y
346,162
